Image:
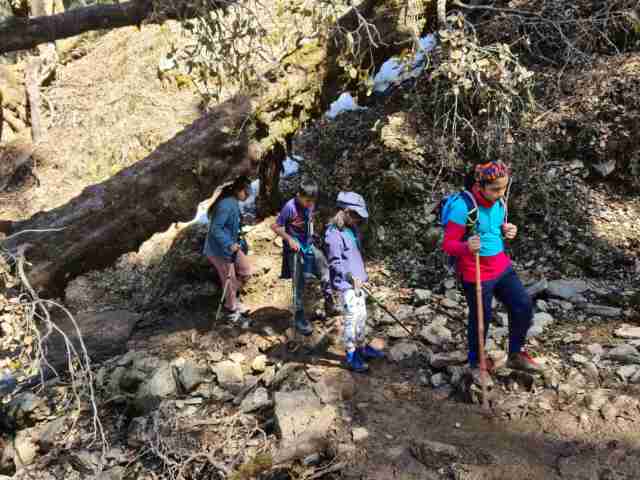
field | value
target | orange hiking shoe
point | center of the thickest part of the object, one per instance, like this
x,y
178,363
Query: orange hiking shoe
x,y
524,362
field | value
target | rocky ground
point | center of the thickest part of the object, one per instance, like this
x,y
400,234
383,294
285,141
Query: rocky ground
x,y
209,400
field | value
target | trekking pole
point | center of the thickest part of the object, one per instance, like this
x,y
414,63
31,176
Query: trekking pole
x,y
480,315
225,287
294,296
380,304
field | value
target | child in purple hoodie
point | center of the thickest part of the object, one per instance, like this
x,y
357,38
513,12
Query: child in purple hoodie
x,y
348,275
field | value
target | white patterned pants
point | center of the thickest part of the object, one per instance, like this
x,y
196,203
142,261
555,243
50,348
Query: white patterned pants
x,y
355,319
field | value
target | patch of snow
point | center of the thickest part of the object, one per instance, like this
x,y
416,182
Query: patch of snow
x,y
395,70
248,206
344,103
201,214
290,166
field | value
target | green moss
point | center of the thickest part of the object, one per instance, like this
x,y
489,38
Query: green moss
x,y
249,470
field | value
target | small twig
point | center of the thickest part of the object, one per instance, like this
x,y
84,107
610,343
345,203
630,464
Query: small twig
x,y
331,469
45,230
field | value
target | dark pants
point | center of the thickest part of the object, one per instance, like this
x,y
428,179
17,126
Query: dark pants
x,y
320,270
509,290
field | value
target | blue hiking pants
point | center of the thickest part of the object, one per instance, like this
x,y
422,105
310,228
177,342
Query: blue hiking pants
x,y
509,290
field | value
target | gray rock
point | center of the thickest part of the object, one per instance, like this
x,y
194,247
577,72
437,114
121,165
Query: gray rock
x,y
397,332
191,375
404,312
436,334
217,393
424,313
444,360
438,380
456,374
499,333
257,400
237,357
537,288
636,378
605,169
627,371
596,399
609,412
284,372
49,433
421,296
624,354
115,473
535,331
403,351
435,454
572,338
576,378
146,363
26,409
580,359
105,335
25,449
259,364
541,320
628,332
591,371
566,289
230,376
303,424
603,311
542,306
268,376
137,434
129,380
162,383
448,303
359,434
595,349
250,382
216,356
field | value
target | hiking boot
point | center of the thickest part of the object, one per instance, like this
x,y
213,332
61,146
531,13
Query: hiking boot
x,y
236,317
369,353
330,308
355,363
524,362
302,324
242,308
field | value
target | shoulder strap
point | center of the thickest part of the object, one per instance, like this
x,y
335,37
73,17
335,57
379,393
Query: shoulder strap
x,y
472,209
503,201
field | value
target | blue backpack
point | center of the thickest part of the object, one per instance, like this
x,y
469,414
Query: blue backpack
x,y
444,215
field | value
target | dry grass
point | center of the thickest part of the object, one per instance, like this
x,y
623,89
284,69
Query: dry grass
x,y
105,111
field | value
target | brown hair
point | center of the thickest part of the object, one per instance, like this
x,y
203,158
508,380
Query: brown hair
x,y
240,183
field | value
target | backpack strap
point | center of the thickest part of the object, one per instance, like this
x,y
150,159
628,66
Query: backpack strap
x,y
472,210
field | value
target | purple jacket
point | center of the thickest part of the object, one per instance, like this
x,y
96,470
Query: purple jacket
x,y
343,254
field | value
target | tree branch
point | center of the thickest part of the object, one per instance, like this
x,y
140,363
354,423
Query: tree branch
x,y
18,33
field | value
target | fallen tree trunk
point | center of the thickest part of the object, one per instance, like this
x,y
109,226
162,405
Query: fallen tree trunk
x,y
19,33
116,216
